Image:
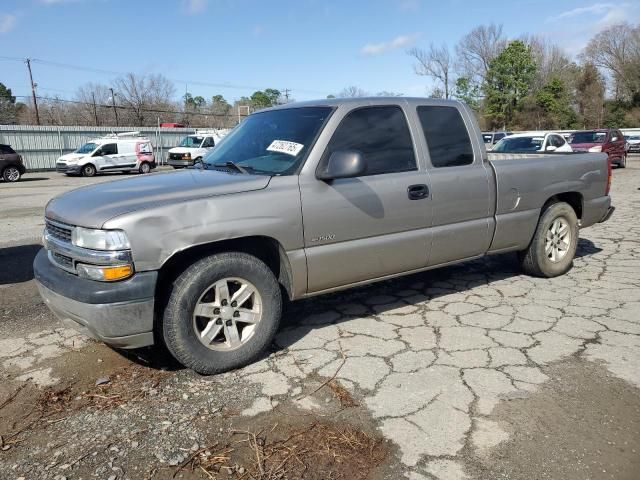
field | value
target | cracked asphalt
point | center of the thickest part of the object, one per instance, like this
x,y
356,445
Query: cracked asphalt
x,y
448,366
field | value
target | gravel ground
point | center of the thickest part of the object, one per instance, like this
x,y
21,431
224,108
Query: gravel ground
x,y
469,372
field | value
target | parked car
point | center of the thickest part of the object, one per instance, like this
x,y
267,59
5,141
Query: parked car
x,y
297,201
609,141
633,142
527,143
193,148
122,152
491,138
11,166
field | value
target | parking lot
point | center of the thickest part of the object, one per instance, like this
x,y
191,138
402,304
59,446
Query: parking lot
x,y
469,372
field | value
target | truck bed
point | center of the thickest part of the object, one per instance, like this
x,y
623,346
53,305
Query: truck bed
x,y
525,181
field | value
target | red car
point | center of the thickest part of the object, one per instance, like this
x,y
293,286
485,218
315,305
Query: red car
x,y
607,140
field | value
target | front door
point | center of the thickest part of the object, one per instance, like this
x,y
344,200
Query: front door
x,y
107,157
362,228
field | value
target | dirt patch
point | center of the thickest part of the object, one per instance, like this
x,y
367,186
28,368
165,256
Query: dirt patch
x,y
289,450
583,423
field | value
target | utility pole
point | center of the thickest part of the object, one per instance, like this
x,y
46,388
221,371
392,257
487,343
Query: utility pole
x,y
95,111
33,91
286,94
113,102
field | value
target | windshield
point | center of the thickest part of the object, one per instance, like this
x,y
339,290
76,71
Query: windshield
x,y
587,137
272,142
191,142
87,148
518,144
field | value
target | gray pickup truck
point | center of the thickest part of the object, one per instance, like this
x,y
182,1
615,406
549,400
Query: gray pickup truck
x,y
297,201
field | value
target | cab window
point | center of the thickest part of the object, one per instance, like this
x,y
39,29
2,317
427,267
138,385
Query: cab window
x,y
446,135
381,134
208,142
109,149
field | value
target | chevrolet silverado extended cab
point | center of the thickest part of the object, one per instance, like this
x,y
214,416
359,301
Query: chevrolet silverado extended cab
x,y
297,201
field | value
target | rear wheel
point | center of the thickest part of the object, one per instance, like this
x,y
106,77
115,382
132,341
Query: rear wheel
x,y
88,170
11,174
144,167
554,243
222,313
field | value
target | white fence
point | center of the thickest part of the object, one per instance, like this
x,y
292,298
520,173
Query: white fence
x,y
41,146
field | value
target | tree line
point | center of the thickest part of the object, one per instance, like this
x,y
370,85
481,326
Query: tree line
x,y
532,84
133,100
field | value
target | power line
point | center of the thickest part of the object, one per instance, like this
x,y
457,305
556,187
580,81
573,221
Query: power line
x,y
69,66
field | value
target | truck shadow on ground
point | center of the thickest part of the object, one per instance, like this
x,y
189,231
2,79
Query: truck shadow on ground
x,y
483,271
16,263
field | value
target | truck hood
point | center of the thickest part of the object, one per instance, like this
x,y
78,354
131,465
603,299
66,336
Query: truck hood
x,y
183,149
72,156
93,205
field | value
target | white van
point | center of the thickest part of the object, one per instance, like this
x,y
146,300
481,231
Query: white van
x,y
194,147
122,152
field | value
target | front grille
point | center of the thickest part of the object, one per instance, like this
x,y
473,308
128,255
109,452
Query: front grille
x,y
176,156
59,231
62,260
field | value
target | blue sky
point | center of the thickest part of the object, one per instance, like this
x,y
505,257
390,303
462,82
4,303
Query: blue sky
x,y
313,47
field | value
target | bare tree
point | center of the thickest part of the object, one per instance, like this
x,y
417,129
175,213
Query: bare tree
x,y
436,63
141,94
351,92
616,49
551,61
478,48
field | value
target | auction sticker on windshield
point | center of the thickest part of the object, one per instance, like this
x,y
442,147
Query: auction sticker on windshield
x,y
284,146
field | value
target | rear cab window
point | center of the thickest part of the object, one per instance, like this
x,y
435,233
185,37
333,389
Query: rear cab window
x,y
446,135
381,134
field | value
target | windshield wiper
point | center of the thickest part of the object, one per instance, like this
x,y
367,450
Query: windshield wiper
x,y
231,164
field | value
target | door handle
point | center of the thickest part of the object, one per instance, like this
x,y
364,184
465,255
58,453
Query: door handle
x,y
417,192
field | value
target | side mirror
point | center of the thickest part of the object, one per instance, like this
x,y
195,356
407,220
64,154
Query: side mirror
x,y
343,164
551,148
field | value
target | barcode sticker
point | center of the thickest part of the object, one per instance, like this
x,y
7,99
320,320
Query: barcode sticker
x,y
284,146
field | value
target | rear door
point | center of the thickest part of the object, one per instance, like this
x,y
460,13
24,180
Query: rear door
x,y
357,229
461,184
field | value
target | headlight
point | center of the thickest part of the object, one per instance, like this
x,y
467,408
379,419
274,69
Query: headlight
x,y
186,156
100,239
596,149
104,274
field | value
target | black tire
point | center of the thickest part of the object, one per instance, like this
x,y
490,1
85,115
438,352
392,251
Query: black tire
x,y
623,162
144,168
88,170
179,332
11,174
534,260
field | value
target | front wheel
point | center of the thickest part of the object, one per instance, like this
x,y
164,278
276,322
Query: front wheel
x,y
222,313
145,167
11,174
554,243
88,170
